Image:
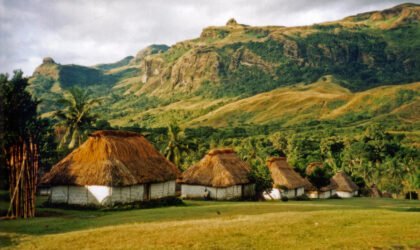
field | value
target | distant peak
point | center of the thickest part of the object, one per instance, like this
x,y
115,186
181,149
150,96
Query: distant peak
x,y
48,60
231,22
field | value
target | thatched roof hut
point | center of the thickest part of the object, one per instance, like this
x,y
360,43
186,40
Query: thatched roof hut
x,y
112,158
344,183
283,174
219,168
220,175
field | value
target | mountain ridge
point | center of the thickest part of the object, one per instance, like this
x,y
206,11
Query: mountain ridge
x,y
238,63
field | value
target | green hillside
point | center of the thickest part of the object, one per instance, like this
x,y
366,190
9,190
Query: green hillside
x,y
237,75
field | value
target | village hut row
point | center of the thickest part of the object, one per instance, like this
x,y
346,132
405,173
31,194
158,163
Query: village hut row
x,y
123,167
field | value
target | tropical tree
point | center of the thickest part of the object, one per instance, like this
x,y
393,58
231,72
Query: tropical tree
x,y
320,176
411,181
255,151
176,145
395,174
19,140
76,117
332,151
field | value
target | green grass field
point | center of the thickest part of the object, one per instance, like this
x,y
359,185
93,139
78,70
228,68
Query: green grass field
x,y
358,223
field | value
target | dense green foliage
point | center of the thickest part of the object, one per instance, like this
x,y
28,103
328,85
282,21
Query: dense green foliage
x,y
359,58
76,117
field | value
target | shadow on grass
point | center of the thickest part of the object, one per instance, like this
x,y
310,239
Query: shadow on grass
x,y
6,241
409,209
58,220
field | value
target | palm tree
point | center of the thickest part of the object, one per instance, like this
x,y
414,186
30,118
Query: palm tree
x,y
76,117
176,145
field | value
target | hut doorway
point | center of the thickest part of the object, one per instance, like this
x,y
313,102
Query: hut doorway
x,y
146,193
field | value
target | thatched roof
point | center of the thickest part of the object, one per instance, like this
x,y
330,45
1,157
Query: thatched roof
x,y
283,174
219,168
312,166
112,158
310,187
344,183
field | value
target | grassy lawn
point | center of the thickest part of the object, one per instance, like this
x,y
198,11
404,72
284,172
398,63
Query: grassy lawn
x,y
350,224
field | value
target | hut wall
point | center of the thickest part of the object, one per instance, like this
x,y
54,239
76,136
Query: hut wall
x,y
343,194
78,195
96,195
327,194
162,189
300,191
324,195
312,194
59,194
321,195
276,193
227,193
127,194
137,192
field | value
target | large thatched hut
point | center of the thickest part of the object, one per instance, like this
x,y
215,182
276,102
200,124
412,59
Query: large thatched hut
x,y
346,188
286,182
112,167
220,175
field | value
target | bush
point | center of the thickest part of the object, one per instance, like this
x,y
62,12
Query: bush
x,y
414,195
303,197
284,199
335,196
163,202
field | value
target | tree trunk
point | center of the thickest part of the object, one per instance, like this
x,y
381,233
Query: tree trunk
x,y
23,163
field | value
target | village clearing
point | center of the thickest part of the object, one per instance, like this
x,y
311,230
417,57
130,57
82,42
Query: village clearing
x,y
356,223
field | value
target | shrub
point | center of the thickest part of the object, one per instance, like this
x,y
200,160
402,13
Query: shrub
x,y
303,197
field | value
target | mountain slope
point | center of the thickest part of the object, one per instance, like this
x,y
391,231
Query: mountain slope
x,y
238,74
323,100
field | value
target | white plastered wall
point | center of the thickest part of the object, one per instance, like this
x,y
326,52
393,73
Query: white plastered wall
x,y
276,194
104,195
343,194
162,189
227,193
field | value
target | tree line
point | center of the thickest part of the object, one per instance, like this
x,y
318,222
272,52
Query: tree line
x,y
31,145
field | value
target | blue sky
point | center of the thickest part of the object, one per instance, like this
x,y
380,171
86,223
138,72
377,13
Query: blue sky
x,y
88,32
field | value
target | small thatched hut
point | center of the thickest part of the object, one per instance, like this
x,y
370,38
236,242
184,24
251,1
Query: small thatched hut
x,y
318,193
322,193
346,188
112,167
220,175
286,182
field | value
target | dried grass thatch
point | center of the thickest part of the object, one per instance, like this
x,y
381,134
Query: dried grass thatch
x,y
112,158
283,174
219,168
312,166
344,183
311,188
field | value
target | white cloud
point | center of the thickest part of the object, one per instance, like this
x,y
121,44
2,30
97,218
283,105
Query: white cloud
x,y
91,32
